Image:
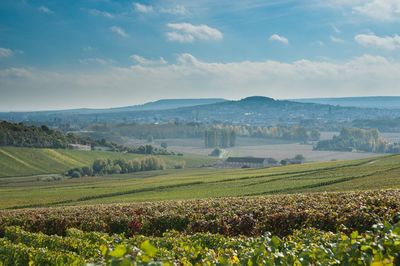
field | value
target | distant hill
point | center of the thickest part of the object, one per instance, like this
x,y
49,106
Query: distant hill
x,y
162,104
165,104
253,110
384,102
256,110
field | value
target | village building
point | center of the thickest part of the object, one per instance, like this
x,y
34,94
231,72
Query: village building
x,y
80,147
249,162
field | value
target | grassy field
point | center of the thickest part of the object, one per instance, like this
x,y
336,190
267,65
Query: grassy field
x,y
275,148
31,161
372,173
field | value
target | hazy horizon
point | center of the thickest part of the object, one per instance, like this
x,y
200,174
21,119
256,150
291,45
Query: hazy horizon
x,y
105,54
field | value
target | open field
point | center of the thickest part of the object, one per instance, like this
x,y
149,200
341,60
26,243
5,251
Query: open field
x,y
372,173
278,149
34,161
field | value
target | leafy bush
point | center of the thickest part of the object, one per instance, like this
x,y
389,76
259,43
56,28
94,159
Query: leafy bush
x,y
180,165
118,166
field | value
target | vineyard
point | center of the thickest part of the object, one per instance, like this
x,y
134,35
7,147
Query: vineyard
x,y
200,183
358,228
18,161
205,216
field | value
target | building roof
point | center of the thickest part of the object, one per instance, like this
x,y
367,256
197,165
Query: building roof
x,y
245,160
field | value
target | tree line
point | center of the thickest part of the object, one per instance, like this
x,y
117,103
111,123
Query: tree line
x,y
20,135
198,130
357,139
219,137
102,167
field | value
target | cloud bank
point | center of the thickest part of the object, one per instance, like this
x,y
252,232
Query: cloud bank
x,y
190,77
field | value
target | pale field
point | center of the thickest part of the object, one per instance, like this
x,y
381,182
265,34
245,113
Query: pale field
x,y
277,149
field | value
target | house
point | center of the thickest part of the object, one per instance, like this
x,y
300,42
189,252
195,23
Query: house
x,y
80,147
249,162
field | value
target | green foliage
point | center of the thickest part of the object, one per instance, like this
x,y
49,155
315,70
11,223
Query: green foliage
x,y
120,166
157,131
20,135
180,165
296,132
217,152
219,137
164,145
149,149
357,139
380,245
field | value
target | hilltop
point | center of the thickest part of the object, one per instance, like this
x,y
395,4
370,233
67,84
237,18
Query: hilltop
x,y
383,102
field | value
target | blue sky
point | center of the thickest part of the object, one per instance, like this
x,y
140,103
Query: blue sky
x,y
104,53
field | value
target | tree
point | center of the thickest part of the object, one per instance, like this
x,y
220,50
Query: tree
x,y
315,135
164,145
299,157
216,152
76,174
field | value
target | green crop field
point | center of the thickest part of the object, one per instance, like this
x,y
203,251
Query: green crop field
x,y
30,191
33,161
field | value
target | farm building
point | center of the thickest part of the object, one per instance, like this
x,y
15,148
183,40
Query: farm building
x,y
250,162
80,147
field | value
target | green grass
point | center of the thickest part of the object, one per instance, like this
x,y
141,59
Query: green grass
x,y
375,173
32,161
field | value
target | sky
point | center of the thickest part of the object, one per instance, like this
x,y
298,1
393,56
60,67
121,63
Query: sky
x,y
105,53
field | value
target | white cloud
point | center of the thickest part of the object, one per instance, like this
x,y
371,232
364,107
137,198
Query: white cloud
x,y
186,32
96,12
5,52
147,9
379,10
120,31
147,62
178,37
176,10
143,8
371,40
45,10
278,38
336,39
383,10
96,60
118,86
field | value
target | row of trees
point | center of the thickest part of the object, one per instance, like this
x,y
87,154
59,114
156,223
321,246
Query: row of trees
x,y
119,166
219,137
150,150
156,131
196,130
356,139
295,132
20,135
